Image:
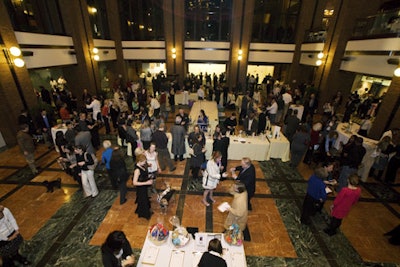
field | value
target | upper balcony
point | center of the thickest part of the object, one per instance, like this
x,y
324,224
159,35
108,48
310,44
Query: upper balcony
x,y
382,25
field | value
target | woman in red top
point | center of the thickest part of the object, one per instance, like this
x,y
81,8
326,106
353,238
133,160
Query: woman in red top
x,y
342,204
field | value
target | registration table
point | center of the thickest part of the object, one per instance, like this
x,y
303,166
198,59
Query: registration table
x,y
211,110
188,256
369,145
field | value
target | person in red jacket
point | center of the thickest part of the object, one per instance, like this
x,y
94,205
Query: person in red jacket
x,y
342,204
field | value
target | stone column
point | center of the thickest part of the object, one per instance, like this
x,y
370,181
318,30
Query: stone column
x,y
174,28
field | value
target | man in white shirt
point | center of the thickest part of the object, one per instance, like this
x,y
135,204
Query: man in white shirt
x,y
96,106
287,98
272,110
10,239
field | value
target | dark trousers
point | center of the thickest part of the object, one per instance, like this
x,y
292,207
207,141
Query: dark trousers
x,y
392,168
113,180
310,207
107,124
333,226
164,158
195,172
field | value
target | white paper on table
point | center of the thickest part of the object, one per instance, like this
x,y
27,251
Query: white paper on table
x,y
238,260
177,258
277,132
224,207
328,190
150,256
196,258
201,242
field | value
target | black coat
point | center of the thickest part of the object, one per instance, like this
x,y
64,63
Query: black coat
x,y
107,255
248,178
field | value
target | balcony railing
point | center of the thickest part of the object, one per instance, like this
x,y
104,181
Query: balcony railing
x,y
385,24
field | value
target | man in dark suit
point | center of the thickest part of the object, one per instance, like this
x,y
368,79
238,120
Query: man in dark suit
x,y
247,176
250,124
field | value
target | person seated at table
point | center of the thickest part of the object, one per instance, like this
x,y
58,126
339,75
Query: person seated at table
x,y
202,121
117,251
238,208
250,124
213,257
247,176
230,123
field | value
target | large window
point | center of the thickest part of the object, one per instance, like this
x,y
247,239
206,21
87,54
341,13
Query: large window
x,y
98,19
38,16
275,21
208,20
141,20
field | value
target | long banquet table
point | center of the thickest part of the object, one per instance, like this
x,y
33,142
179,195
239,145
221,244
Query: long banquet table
x,y
369,145
189,255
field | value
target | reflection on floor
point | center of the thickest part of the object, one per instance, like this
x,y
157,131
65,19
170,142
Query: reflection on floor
x,y
65,229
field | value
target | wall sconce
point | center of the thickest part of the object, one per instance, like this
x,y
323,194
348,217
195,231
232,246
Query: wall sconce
x,y
397,72
95,52
173,50
318,62
16,53
320,55
240,54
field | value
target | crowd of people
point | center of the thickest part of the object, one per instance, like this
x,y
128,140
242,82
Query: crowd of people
x,y
139,118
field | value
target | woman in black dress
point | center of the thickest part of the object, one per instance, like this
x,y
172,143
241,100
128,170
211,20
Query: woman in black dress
x,y
198,157
142,182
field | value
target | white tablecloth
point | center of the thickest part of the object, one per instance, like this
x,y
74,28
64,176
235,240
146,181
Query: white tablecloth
x,y
211,110
233,255
299,108
179,98
369,145
54,130
256,148
279,148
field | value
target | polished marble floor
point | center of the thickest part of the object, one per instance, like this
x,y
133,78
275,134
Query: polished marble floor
x,y
65,229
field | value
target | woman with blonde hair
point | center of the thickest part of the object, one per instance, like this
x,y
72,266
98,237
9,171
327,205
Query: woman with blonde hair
x,y
211,176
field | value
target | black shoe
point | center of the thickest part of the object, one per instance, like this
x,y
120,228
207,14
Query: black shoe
x,y
123,202
181,159
173,169
329,232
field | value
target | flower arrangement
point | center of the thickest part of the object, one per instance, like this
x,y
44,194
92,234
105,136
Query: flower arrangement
x,y
158,234
234,236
